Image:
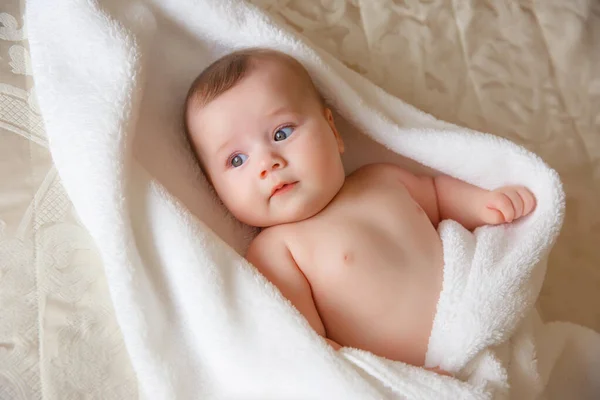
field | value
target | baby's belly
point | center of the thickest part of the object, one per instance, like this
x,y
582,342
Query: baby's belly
x,y
377,289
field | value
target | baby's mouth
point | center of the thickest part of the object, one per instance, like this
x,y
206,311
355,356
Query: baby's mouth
x,y
282,188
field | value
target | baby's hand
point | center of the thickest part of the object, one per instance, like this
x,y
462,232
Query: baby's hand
x,y
507,204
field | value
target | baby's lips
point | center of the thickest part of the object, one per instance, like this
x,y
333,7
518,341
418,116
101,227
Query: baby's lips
x,y
280,186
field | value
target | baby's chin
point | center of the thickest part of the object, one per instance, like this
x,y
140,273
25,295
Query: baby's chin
x,y
283,216
288,218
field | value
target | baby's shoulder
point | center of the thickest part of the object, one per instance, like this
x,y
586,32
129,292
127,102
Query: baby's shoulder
x,y
377,172
273,236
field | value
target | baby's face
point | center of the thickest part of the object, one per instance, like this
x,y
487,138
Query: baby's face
x,y
269,147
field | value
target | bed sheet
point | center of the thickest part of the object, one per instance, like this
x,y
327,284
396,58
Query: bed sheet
x,y
58,335
526,70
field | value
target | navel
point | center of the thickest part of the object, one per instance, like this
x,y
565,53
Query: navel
x,y
348,257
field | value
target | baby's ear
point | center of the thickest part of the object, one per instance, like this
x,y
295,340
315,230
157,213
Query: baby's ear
x,y
331,122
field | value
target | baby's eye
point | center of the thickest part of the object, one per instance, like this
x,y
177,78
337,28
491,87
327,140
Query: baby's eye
x,y
238,160
283,133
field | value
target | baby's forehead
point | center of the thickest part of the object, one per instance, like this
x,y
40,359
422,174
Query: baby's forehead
x,y
268,79
268,73
288,72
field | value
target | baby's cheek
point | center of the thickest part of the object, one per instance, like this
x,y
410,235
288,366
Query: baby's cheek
x,y
231,195
324,160
242,197
253,204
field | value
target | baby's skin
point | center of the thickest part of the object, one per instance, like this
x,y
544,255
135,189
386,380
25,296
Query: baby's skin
x,y
358,256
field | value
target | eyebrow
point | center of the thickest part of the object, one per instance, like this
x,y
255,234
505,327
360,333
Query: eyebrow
x,y
274,113
278,111
223,145
288,112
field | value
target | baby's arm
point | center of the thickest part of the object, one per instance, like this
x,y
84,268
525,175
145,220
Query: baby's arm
x,y
472,206
443,197
271,256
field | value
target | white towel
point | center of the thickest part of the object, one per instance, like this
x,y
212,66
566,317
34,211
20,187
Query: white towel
x,y
198,320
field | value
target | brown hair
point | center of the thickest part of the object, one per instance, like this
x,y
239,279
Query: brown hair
x,y
225,73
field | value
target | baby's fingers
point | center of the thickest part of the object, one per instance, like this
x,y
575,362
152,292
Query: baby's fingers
x,y
502,203
517,203
528,200
492,216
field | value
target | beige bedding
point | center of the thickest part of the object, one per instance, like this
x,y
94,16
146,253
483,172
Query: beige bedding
x,y
526,70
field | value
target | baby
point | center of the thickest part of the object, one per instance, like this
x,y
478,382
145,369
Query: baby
x,y
359,256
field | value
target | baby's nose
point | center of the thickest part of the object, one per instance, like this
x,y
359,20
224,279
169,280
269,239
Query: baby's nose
x,y
270,164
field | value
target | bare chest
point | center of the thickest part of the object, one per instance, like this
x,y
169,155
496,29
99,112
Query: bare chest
x,y
366,229
374,263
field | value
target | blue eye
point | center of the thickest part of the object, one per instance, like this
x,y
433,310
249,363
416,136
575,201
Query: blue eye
x,y
237,160
283,133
